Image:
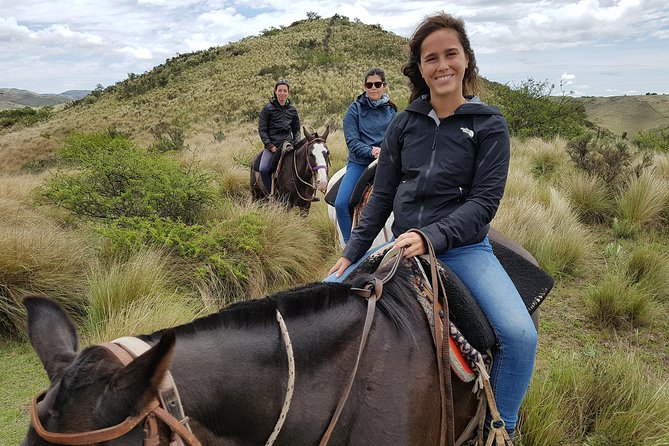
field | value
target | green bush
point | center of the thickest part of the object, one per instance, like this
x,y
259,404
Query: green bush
x,y
530,110
654,139
24,116
114,178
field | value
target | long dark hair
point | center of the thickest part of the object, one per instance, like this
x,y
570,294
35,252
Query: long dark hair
x,y
470,83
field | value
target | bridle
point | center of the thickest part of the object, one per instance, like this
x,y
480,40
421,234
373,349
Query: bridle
x,y
149,414
313,169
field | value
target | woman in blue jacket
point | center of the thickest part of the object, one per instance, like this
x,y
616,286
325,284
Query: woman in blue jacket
x,y
365,124
442,170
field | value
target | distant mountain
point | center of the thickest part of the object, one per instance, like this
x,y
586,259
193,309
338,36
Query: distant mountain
x,y
16,98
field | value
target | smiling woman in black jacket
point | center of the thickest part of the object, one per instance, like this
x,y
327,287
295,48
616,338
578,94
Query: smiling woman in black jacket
x,y
278,123
442,169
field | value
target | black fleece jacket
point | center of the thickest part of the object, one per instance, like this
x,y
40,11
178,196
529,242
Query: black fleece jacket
x,y
445,177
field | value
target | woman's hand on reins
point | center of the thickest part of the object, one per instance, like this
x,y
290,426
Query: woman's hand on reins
x,y
412,243
340,266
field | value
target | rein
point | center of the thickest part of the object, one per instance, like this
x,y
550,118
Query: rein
x,y
148,414
316,168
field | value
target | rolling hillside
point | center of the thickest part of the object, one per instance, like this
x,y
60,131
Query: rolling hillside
x,y
628,113
16,98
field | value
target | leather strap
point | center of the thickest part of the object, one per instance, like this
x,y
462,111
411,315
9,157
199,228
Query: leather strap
x,y
440,315
372,292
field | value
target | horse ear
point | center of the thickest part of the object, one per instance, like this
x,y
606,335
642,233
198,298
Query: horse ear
x,y
52,334
140,379
324,137
307,135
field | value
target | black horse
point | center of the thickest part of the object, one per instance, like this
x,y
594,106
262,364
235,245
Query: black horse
x,y
301,172
232,372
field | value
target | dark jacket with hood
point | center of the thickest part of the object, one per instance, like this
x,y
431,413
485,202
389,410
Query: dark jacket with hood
x,y
278,123
365,124
445,177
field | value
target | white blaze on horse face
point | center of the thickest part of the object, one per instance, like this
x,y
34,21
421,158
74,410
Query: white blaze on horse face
x,y
319,152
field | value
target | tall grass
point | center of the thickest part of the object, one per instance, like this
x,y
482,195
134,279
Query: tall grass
x,y
37,257
589,195
596,400
134,297
644,200
619,303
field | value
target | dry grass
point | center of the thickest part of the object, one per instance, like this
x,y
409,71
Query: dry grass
x,y
644,201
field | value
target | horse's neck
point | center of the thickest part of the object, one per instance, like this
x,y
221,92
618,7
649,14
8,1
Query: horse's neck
x,y
231,378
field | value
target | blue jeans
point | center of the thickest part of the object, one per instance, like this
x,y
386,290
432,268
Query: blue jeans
x,y
264,168
348,182
478,268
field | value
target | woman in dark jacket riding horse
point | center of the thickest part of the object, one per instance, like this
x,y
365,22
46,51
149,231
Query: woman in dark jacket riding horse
x,y
278,123
443,167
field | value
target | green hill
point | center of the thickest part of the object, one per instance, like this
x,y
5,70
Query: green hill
x,y
217,90
628,113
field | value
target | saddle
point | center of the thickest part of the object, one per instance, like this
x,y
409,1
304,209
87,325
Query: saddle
x,y
275,167
532,283
361,191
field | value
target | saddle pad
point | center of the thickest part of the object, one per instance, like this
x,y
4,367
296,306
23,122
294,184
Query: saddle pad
x,y
331,195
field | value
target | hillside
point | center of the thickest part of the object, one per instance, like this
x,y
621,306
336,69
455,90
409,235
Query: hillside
x,y
628,113
214,91
16,98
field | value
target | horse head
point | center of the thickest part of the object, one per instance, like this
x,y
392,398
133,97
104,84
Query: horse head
x,y
318,157
92,397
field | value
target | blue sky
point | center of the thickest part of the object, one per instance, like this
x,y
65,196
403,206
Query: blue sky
x,y
584,48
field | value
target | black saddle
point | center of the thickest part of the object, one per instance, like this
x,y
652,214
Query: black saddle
x,y
365,180
532,283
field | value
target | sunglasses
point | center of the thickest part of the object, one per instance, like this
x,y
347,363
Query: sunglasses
x,y
369,85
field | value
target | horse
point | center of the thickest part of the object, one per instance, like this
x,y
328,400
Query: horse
x,y
301,172
233,373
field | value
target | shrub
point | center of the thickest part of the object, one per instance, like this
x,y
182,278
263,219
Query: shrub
x,y
25,116
531,111
115,179
606,156
169,136
653,139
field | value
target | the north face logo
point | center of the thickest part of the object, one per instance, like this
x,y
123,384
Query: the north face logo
x,y
467,131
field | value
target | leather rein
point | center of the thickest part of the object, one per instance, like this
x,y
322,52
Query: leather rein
x,y
313,169
149,414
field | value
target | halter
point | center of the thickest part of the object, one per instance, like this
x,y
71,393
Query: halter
x,y
316,168
149,412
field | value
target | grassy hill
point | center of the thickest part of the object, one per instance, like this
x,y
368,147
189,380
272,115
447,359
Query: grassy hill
x,y
217,90
15,98
628,113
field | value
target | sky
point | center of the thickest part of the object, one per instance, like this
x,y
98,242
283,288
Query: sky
x,y
583,48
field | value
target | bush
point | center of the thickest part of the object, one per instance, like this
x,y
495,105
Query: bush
x,y
24,116
531,111
653,139
606,156
114,178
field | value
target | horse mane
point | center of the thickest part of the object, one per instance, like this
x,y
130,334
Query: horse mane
x,y
396,304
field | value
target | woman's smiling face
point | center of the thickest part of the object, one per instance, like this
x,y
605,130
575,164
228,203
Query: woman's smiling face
x,y
443,63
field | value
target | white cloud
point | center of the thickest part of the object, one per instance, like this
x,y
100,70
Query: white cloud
x,y
516,39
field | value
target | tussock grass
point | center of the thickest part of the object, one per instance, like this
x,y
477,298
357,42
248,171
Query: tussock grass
x,y
644,200
589,195
648,266
547,158
618,303
551,232
40,258
596,400
134,297
661,165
